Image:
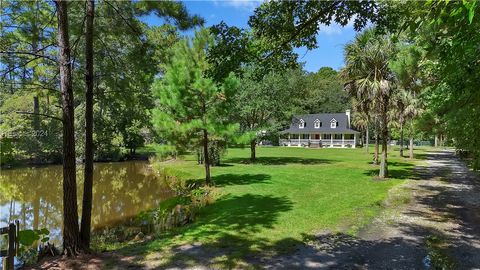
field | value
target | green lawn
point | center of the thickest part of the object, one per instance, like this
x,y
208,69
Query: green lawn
x,y
287,196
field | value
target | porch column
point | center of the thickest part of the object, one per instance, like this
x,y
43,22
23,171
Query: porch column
x,y
288,144
299,144
309,137
343,140
354,140
331,140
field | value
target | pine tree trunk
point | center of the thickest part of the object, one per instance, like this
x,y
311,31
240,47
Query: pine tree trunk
x,y
71,236
88,173
206,159
411,148
401,139
36,111
253,154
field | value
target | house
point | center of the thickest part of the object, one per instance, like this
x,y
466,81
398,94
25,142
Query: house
x,y
320,130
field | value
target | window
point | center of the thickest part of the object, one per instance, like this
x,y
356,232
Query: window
x,y
338,137
327,136
317,124
305,136
302,124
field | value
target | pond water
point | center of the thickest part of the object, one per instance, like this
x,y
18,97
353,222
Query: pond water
x,y
121,191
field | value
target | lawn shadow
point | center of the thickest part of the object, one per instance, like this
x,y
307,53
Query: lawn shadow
x,y
396,170
240,179
246,215
281,161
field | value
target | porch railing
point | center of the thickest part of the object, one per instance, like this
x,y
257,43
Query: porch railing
x,y
325,142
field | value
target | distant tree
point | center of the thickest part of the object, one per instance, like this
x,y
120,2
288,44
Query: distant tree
x,y
325,92
361,120
262,105
369,76
406,67
191,106
407,107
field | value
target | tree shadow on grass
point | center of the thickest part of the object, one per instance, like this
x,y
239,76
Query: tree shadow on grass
x,y
396,170
240,179
248,213
281,161
228,229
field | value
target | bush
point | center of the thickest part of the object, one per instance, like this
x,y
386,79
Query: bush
x,y
6,151
216,149
179,210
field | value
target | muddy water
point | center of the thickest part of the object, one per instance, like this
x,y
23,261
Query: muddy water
x,y
121,191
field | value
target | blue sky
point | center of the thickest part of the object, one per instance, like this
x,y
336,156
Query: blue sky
x,y
331,39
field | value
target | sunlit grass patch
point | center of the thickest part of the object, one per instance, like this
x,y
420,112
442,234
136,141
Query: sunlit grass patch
x,y
269,206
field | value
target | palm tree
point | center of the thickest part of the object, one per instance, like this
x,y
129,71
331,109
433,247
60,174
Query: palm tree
x,y
371,81
362,119
406,108
406,67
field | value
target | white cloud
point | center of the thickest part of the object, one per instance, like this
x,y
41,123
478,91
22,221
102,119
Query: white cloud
x,y
335,28
248,5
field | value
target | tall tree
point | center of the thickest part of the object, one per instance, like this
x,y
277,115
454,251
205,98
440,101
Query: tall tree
x,y
191,106
368,73
88,170
262,105
406,67
71,236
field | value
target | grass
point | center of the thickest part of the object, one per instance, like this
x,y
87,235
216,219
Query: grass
x,y
270,206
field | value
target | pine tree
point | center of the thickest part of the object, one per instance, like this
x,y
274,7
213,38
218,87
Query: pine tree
x,y
191,107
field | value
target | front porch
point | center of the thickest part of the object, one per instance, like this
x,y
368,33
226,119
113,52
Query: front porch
x,y
343,140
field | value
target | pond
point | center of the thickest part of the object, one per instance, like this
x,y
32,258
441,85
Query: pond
x,y
121,190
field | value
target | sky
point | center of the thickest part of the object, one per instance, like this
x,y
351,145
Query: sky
x,y
331,39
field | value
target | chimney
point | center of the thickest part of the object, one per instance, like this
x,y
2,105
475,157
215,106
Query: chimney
x,y
347,112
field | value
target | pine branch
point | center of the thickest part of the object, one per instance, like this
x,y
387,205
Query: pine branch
x,y
41,114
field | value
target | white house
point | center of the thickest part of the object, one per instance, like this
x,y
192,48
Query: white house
x,y
320,130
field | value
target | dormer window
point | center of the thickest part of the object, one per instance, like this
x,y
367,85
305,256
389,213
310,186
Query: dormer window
x,y
317,123
333,123
302,124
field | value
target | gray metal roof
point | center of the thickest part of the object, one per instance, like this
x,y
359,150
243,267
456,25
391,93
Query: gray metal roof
x,y
325,119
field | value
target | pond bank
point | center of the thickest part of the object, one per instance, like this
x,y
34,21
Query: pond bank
x,y
33,195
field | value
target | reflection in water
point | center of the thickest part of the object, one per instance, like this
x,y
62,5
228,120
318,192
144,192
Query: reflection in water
x,y
121,190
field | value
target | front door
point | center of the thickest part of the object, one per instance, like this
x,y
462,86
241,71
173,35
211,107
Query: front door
x,y
317,136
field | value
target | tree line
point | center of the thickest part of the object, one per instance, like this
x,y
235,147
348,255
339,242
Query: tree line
x,y
68,59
